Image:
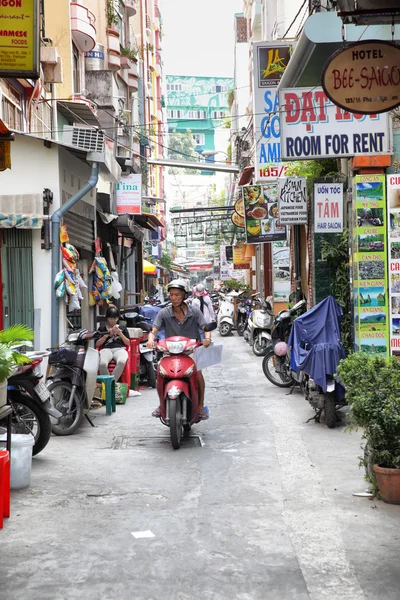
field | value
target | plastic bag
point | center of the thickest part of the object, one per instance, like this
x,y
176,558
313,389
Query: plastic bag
x,y
207,357
64,234
70,288
116,287
74,303
60,290
81,283
59,278
72,251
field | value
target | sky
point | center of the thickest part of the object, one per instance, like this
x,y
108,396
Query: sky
x,y
198,37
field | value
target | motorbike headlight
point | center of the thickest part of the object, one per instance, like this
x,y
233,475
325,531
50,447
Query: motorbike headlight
x,y
176,347
189,371
263,321
162,371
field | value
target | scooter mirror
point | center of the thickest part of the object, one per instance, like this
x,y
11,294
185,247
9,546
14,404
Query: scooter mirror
x,y
210,326
299,304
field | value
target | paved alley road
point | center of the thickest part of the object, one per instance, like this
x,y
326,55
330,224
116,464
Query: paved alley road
x,y
264,510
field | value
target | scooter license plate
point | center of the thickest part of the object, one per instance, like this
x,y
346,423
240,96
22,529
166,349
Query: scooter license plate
x,y
42,391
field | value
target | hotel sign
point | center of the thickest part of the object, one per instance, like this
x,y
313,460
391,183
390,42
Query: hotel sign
x,y
364,77
19,38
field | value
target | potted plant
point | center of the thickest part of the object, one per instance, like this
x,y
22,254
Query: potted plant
x,y
373,393
10,340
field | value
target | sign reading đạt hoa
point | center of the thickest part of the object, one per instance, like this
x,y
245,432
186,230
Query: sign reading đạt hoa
x,y
19,38
313,127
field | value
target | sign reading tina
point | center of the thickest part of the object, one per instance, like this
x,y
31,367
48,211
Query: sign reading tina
x,y
19,38
364,77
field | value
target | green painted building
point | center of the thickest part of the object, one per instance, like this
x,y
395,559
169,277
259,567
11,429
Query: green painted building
x,y
199,104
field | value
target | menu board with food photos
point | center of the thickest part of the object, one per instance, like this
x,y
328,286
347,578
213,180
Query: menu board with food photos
x,y
261,214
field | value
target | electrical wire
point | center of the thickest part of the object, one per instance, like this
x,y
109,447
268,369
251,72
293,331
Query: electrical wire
x,y
294,20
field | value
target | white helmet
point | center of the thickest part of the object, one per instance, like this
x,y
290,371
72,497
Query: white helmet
x,y
178,284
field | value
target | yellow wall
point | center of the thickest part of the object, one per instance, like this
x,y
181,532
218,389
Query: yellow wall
x,y
98,8
58,28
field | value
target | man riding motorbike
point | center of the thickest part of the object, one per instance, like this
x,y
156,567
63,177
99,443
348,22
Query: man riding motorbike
x,y
179,319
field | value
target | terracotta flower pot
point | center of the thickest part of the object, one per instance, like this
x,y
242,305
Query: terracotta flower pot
x,y
388,481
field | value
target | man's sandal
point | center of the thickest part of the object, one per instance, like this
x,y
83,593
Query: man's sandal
x,y
204,414
156,413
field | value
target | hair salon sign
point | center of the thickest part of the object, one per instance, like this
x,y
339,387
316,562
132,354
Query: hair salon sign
x,y
364,77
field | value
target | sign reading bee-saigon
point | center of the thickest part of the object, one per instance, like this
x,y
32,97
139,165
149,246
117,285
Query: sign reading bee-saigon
x,y
19,39
261,214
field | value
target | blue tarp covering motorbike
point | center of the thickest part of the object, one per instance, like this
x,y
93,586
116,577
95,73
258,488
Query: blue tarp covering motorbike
x,y
316,343
150,311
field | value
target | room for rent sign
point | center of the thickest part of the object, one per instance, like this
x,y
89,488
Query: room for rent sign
x,y
312,126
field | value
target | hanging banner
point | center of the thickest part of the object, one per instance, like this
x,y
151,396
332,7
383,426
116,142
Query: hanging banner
x,y
370,270
313,127
393,205
292,201
261,214
328,207
269,63
129,194
19,31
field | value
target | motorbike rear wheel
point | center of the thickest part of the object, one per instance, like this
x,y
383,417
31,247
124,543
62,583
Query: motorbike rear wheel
x,y
330,410
282,380
60,393
225,329
175,422
28,417
240,328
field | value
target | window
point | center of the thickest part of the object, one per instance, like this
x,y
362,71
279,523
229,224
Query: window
x,y
11,106
119,26
218,114
175,114
196,114
217,89
174,87
75,68
199,139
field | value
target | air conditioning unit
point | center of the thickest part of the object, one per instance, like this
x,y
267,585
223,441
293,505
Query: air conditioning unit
x,y
84,138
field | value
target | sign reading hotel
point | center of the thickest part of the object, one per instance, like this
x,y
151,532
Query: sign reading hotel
x,y
19,39
370,266
364,77
328,207
313,127
270,60
129,194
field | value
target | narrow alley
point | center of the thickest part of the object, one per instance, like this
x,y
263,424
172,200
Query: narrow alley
x,y
260,507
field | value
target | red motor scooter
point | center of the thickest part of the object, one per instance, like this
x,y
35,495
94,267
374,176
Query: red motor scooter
x,y
177,385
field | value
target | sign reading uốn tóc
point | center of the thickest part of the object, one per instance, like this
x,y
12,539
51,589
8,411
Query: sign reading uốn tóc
x,y
19,38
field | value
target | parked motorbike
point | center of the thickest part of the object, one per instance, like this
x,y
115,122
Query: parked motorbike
x,y
177,385
317,349
241,317
73,381
148,358
225,316
30,401
259,327
276,362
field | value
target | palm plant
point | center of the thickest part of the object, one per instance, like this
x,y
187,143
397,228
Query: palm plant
x,y
10,340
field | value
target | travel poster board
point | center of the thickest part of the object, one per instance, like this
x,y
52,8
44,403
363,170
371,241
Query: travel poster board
x,y
370,266
261,214
393,208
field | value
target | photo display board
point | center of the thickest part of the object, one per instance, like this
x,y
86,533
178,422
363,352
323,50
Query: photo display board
x,y
370,266
393,227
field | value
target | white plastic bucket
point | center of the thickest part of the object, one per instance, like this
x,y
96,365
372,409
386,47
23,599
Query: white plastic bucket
x,y
21,459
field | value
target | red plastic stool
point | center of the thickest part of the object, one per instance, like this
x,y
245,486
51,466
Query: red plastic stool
x,y
4,485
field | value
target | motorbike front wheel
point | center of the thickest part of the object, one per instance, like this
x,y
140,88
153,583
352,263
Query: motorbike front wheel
x,y
269,365
225,329
69,422
28,417
175,423
259,346
330,410
241,328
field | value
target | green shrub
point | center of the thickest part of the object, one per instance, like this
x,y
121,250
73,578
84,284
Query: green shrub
x,y
373,393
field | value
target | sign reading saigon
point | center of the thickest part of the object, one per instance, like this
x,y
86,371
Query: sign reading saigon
x,y
19,39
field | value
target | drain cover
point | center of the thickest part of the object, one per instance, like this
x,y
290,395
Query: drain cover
x,y
124,442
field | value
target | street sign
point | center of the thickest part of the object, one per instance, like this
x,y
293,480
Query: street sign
x,y
19,37
292,201
328,207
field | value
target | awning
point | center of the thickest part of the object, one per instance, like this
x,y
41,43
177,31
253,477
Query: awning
x,y
21,221
149,268
245,176
126,225
148,221
77,112
320,38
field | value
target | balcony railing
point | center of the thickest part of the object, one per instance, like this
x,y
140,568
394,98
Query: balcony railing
x,y
83,27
